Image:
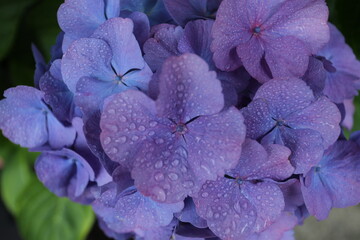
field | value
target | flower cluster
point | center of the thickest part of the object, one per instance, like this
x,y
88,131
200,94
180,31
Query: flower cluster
x,y
182,119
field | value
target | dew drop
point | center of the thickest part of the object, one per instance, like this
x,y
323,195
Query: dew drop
x,y
107,140
111,111
175,162
153,124
159,164
123,139
188,184
173,176
204,194
134,138
159,177
123,119
209,213
159,141
159,194
114,150
141,128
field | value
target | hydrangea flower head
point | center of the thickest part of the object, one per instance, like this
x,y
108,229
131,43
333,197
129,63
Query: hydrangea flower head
x,y
26,120
108,63
271,39
335,70
286,112
175,144
333,181
245,202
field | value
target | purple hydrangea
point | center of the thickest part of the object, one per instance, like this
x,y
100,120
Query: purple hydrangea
x,y
222,121
246,201
285,111
334,70
335,176
271,39
172,146
108,63
26,120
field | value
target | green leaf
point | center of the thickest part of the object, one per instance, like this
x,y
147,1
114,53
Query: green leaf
x,y
10,15
44,216
15,176
356,126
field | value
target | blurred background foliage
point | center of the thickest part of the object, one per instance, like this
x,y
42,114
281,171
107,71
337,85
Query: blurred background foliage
x,y
30,212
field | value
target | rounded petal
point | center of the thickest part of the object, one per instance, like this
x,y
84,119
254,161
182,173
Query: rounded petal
x,y
162,45
80,18
306,146
188,89
258,162
215,143
118,33
322,116
229,214
130,211
285,96
22,118
88,57
128,117
64,172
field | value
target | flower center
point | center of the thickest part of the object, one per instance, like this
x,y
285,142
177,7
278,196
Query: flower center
x,y
256,30
181,128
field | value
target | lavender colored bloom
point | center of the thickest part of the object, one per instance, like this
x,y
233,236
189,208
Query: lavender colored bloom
x,y
279,230
80,18
188,214
26,120
183,11
108,63
246,201
286,112
127,210
92,134
162,45
56,93
64,172
348,121
335,181
271,39
340,67
172,146
195,38
40,65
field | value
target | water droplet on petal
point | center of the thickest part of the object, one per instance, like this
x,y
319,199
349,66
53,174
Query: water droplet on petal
x,y
188,184
107,140
159,141
159,194
123,139
153,124
134,138
175,162
173,176
159,164
204,194
209,213
123,119
159,177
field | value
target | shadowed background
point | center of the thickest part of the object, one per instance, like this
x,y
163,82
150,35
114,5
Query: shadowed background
x,y
29,210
